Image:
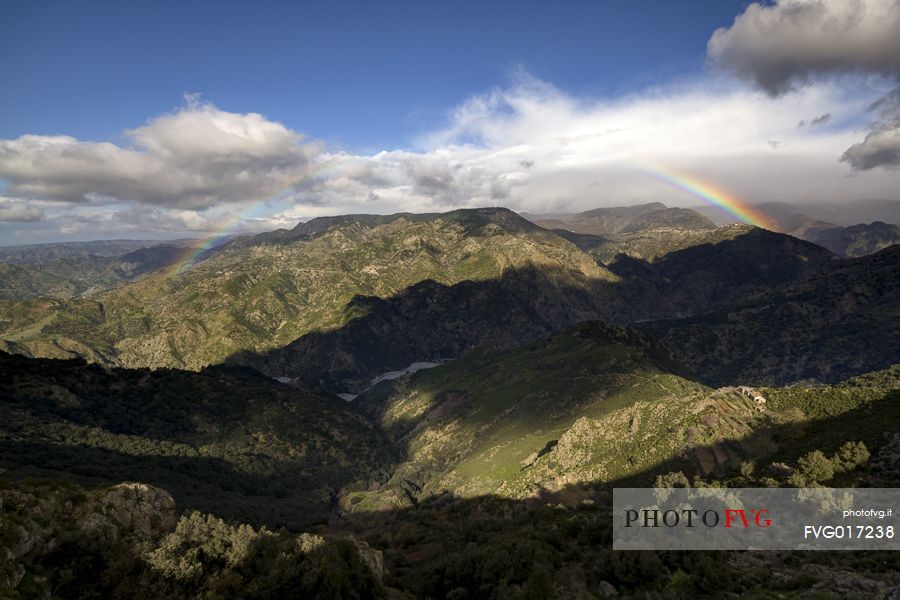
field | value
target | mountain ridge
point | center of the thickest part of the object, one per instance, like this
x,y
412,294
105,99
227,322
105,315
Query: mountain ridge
x,y
362,295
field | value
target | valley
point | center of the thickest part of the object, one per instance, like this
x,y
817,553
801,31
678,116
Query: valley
x,y
372,386
450,300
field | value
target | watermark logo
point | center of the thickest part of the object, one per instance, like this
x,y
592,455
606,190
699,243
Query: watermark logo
x,y
753,518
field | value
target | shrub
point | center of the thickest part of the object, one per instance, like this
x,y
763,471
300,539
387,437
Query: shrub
x,y
850,456
816,467
674,479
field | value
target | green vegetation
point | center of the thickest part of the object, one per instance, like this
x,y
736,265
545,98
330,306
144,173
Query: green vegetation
x,y
431,320
506,422
496,510
489,476
124,542
227,441
338,301
260,294
72,274
596,404
823,327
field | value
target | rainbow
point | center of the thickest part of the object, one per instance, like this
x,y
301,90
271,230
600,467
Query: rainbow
x,y
714,196
220,229
227,224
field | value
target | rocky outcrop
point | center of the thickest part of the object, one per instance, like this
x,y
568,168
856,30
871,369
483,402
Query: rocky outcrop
x,y
37,520
134,511
371,557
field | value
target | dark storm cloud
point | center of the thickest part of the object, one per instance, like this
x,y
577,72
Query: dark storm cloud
x,y
791,42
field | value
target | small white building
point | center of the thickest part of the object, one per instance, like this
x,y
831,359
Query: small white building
x,y
754,395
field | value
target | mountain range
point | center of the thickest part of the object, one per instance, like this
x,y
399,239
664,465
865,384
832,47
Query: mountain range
x,y
650,230
438,405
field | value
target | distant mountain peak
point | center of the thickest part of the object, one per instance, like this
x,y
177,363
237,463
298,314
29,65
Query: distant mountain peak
x,y
614,220
635,210
471,217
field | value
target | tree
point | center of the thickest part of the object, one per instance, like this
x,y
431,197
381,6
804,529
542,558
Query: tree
x,y
850,456
816,467
673,479
540,584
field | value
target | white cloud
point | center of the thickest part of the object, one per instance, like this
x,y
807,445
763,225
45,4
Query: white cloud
x,y
532,147
12,210
790,43
136,219
529,146
193,158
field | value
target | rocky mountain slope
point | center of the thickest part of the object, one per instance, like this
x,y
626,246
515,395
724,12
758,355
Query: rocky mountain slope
x,y
479,425
645,232
263,294
338,301
500,485
851,241
650,231
430,321
80,274
595,405
850,231
609,222
485,476
38,254
433,321
721,268
826,326
556,540
858,240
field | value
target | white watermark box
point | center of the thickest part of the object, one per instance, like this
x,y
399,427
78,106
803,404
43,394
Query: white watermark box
x,y
756,519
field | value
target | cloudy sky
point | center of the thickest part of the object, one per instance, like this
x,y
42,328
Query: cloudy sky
x,y
156,122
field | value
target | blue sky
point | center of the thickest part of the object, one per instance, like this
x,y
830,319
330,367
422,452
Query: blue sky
x,y
367,75
194,119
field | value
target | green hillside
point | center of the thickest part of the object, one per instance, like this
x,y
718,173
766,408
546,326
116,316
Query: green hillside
x,y
431,321
20,282
492,479
263,294
78,274
591,405
227,441
338,301
829,325
611,221
479,425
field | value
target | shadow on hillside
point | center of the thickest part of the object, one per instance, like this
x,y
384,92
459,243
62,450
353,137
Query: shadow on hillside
x,y
200,483
432,321
165,406
444,542
714,275
768,442
227,440
444,546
